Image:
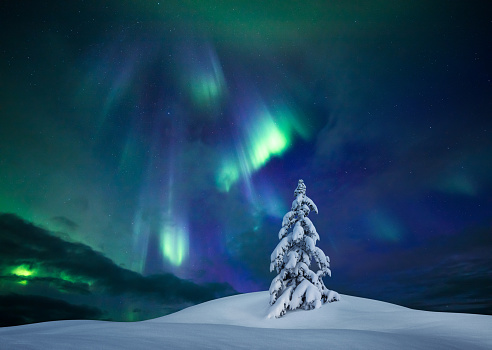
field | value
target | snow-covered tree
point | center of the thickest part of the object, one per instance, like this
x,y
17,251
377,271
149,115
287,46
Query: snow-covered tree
x,y
296,285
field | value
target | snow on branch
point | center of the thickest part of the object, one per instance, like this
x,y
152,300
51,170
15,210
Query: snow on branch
x,y
296,285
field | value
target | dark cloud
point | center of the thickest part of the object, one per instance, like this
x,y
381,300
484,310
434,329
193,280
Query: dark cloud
x,y
458,284
39,261
56,283
64,223
447,273
18,309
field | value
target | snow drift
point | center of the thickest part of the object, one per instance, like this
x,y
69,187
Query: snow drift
x,y
240,322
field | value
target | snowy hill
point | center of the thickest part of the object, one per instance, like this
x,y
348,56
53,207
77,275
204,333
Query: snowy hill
x,y
240,322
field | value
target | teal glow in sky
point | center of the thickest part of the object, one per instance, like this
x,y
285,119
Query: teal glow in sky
x,y
202,78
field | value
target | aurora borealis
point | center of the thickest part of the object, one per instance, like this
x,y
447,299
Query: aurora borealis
x,y
149,150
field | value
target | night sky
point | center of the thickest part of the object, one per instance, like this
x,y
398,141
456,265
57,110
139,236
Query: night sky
x,y
149,150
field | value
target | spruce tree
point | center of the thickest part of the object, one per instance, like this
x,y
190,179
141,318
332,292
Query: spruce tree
x,y
296,285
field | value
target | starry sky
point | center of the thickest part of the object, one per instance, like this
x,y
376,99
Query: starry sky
x,y
149,150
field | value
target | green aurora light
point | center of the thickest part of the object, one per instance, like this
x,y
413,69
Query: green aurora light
x,y
269,135
207,91
27,273
22,271
174,244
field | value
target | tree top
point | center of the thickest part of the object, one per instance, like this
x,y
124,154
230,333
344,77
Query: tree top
x,y
301,188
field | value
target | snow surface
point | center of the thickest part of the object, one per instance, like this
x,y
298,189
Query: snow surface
x,y
240,322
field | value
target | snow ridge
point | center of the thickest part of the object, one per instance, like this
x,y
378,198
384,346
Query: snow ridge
x,y
240,322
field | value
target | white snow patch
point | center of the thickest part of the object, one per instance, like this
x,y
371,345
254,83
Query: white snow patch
x,y
241,322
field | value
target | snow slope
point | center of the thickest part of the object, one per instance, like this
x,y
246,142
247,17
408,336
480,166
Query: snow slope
x,y
240,322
